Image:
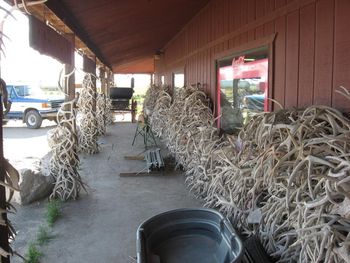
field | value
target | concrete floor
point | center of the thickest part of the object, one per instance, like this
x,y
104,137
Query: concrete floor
x,y
101,226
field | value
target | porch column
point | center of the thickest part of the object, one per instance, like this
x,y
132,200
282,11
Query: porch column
x,y
89,66
68,69
110,81
103,80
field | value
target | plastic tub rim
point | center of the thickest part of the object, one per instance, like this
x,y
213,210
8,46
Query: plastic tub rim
x,y
140,233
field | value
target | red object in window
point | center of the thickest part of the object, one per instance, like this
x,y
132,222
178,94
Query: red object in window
x,y
249,70
238,61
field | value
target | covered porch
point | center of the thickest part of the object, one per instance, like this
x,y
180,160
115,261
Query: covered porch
x,y
101,225
220,71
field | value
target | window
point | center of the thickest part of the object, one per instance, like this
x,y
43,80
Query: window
x,y
162,80
242,87
22,91
11,93
179,80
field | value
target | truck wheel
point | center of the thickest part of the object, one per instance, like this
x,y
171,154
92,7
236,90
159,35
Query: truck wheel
x,y
33,119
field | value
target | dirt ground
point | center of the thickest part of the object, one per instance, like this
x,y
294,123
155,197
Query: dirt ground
x,y
100,226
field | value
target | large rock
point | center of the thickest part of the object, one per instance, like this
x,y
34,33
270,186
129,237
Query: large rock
x,y
34,183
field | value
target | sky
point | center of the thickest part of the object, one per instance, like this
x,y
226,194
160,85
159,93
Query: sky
x,y
19,62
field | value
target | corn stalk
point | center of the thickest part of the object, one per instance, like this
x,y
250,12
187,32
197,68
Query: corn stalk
x,y
9,184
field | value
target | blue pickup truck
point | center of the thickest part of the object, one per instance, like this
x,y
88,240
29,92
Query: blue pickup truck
x,y
29,107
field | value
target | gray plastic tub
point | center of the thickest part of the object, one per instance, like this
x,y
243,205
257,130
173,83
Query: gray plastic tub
x,y
188,236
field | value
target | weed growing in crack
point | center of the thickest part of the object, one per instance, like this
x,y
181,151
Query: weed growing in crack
x,y
33,254
53,212
44,236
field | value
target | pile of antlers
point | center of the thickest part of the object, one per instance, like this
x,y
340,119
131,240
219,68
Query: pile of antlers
x,y
101,114
285,177
151,97
88,126
65,140
64,162
108,111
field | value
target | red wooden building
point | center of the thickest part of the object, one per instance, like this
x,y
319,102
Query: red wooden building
x,y
305,41
307,46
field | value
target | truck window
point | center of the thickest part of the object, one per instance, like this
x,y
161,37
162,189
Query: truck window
x,y
22,91
11,93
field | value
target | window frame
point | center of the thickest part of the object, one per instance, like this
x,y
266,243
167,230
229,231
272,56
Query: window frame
x,y
236,51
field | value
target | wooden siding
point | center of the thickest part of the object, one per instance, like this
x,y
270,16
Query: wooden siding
x,y
311,50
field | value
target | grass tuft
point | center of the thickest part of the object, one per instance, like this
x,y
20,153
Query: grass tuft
x,y
33,254
53,212
43,236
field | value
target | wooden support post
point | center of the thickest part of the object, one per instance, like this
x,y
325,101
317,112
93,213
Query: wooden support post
x,y
69,68
89,66
103,80
109,81
133,110
4,234
69,83
132,82
94,84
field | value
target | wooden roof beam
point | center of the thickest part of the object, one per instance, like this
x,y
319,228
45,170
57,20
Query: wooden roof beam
x,y
68,18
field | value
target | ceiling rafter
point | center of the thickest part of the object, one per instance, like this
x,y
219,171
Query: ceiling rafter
x,y
68,18
43,13
122,33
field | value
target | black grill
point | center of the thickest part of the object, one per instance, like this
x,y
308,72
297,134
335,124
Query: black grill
x,y
56,103
121,98
121,103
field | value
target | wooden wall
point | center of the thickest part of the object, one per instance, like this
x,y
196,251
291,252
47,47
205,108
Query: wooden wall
x,y
311,48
